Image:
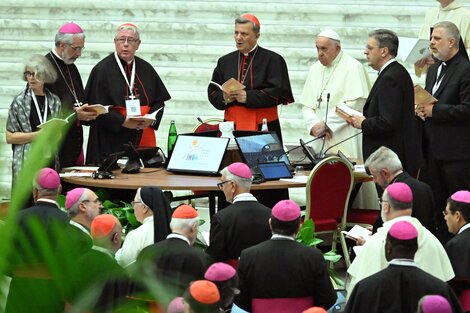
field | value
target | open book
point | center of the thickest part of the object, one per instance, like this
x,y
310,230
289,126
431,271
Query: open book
x,y
345,112
146,117
230,85
56,121
356,232
97,108
413,49
423,97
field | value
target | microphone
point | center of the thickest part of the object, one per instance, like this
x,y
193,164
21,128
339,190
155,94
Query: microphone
x,y
338,143
326,125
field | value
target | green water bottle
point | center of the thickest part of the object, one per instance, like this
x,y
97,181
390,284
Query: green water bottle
x,y
172,134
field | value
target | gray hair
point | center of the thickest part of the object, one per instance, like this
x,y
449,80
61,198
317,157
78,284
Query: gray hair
x,y
127,26
396,204
451,31
183,224
67,38
42,68
384,158
240,181
73,210
386,39
47,192
242,20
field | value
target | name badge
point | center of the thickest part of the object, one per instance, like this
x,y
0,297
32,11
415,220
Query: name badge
x,y
133,107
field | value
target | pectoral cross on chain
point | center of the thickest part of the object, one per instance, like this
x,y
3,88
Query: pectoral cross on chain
x,y
319,100
132,97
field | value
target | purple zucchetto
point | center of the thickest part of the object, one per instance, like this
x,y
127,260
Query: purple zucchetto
x,y
286,211
400,192
461,196
72,197
435,304
240,169
176,305
47,178
70,28
219,272
403,230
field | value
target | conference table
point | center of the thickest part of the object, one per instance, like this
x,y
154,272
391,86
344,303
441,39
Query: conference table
x,y
172,181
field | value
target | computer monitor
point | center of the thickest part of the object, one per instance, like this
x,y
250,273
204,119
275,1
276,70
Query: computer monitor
x,y
261,148
197,155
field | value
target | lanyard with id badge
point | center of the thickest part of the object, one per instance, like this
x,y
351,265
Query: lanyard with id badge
x,y
132,104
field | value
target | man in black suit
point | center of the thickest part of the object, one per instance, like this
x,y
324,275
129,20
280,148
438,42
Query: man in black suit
x,y
283,269
35,277
386,168
447,121
242,224
174,260
389,118
457,217
400,286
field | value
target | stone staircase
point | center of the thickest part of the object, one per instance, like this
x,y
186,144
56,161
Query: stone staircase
x,y
184,39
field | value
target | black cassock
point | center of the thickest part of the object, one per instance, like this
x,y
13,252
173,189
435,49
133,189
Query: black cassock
x,y
107,86
68,82
397,288
458,250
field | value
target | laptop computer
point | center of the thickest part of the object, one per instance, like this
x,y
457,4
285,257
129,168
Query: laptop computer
x,y
262,148
194,154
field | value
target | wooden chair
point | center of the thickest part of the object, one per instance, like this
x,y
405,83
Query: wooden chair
x,y
328,190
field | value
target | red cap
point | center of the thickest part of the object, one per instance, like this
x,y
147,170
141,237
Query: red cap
x,y
103,225
127,25
220,272
461,196
47,178
204,291
70,28
403,230
400,192
286,211
315,309
185,211
240,169
252,18
72,197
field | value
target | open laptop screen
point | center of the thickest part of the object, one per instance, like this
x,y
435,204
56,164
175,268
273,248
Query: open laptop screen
x,y
197,155
262,148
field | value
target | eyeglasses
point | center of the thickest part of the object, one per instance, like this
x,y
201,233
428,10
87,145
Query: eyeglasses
x,y
135,202
96,201
122,40
29,74
76,49
221,184
381,201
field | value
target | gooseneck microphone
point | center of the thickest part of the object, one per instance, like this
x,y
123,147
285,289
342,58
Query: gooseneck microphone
x,y
326,125
338,143
299,146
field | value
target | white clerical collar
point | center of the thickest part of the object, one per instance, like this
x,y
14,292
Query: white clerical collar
x,y
147,219
402,262
246,196
104,250
336,60
178,236
48,200
81,227
464,227
386,64
277,236
55,53
254,48
452,6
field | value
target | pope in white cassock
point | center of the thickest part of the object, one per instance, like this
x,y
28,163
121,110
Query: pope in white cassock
x,y
334,79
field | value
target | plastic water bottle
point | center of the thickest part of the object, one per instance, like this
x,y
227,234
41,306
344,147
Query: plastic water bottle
x,y
264,126
172,134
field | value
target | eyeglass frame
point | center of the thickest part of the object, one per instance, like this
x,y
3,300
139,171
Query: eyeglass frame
x,y
221,184
96,201
29,74
75,48
136,202
382,201
129,40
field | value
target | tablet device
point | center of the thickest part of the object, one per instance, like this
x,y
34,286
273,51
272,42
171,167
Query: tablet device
x,y
274,170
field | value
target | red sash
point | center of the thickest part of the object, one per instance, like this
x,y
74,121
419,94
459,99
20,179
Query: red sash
x,y
148,136
249,119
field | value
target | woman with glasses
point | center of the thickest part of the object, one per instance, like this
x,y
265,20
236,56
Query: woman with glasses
x,y
31,108
153,210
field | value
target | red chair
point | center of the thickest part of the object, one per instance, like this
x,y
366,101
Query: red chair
x,y
281,305
328,189
464,298
209,124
